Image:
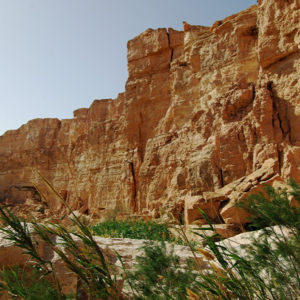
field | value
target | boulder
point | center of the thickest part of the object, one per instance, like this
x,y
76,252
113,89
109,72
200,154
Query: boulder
x,y
127,249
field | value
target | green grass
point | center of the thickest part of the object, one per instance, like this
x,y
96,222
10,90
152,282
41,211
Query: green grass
x,y
134,230
269,271
28,284
159,275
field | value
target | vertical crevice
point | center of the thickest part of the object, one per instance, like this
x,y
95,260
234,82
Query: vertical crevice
x,y
134,192
280,116
172,50
254,91
279,111
141,144
255,137
221,177
141,153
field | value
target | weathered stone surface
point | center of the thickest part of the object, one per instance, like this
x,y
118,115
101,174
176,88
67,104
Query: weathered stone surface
x,y
190,209
220,206
243,188
202,108
128,249
240,242
194,205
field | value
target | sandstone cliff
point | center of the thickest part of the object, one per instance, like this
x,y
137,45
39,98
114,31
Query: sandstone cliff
x,y
202,108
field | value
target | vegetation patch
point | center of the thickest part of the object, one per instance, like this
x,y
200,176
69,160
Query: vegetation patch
x,y
134,230
266,268
28,284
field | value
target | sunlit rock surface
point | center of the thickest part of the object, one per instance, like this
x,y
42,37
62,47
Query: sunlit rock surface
x,y
202,108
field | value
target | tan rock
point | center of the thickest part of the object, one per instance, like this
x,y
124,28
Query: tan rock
x,y
235,215
128,249
193,232
11,255
243,189
240,241
194,205
191,213
202,108
214,197
155,214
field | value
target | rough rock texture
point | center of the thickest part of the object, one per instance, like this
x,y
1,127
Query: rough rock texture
x,y
202,108
128,249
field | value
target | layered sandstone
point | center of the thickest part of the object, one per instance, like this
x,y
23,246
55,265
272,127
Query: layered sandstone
x,y
202,108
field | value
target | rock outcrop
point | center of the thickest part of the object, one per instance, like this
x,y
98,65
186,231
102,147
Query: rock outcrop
x,y
202,108
112,248
127,249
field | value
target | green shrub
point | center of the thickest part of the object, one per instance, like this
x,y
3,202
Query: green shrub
x,y
28,284
276,251
158,275
272,207
88,264
134,230
266,269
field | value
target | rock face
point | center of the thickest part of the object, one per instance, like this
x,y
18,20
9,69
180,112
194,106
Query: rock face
x,y
127,249
202,108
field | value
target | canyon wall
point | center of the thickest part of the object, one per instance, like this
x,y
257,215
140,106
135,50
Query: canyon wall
x,y
201,108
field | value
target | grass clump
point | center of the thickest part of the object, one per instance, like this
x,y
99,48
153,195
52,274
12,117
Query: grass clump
x,y
158,275
147,230
27,283
79,252
267,268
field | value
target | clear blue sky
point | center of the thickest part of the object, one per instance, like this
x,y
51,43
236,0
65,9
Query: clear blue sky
x,y
60,55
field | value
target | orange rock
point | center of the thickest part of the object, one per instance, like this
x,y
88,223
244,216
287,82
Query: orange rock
x,y
202,108
250,184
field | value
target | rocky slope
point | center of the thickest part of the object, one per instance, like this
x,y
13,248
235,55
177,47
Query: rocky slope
x,y
202,108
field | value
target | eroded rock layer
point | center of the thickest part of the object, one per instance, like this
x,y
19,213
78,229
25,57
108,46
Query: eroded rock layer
x,y
202,108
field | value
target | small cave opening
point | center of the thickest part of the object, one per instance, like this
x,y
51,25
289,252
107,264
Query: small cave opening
x,y
21,193
86,212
